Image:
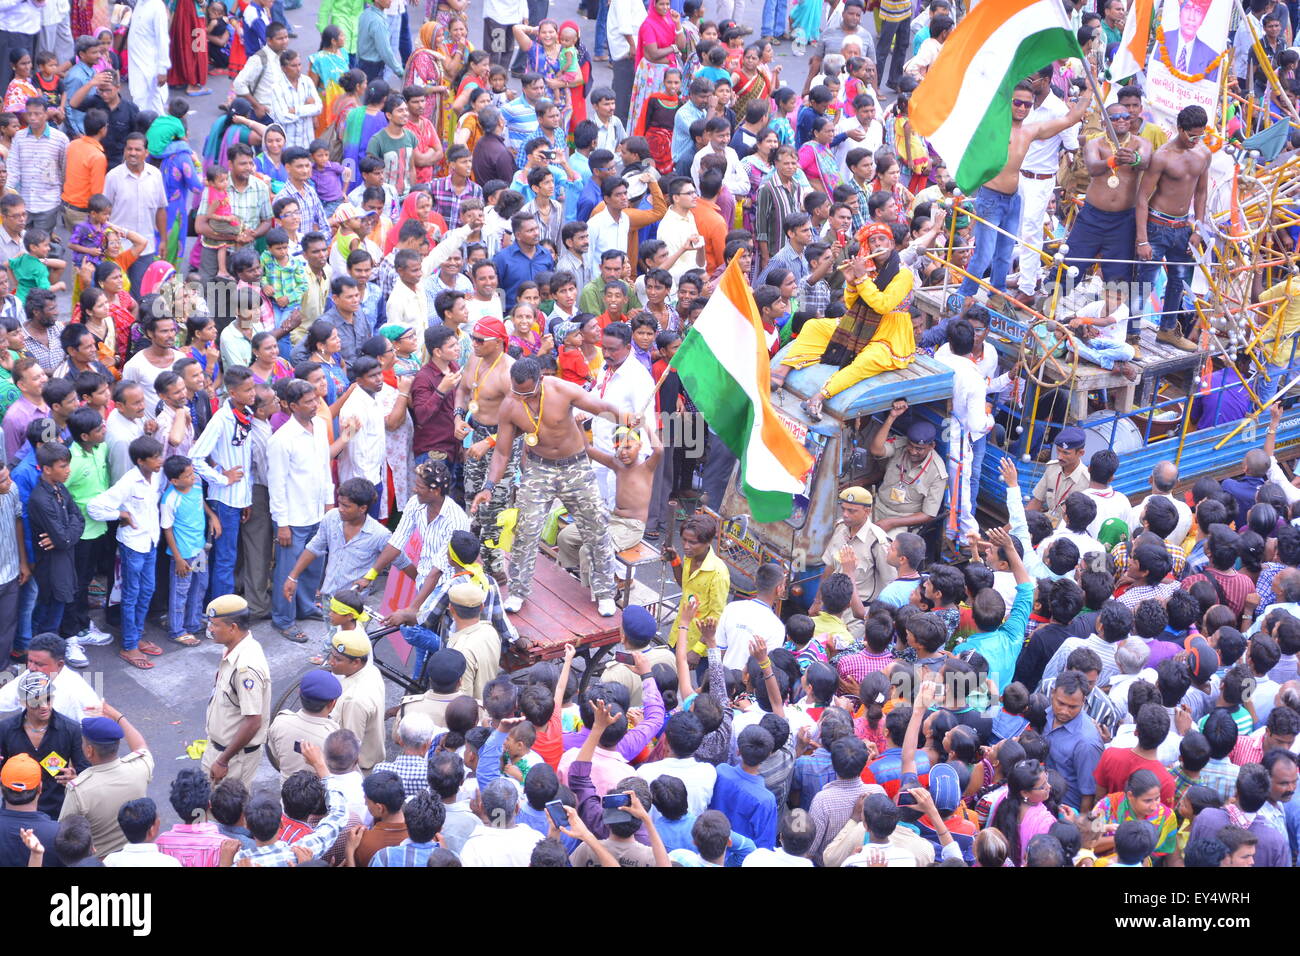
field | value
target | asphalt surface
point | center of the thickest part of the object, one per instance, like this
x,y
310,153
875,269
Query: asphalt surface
x,y
168,703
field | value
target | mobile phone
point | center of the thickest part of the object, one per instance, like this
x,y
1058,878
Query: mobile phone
x,y
297,746
623,657
842,237
403,372
555,810
615,801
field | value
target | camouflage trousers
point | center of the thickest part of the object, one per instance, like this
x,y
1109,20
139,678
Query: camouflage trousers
x,y
484,522
570,480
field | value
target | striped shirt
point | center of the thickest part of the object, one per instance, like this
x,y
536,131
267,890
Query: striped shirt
x,y
309,207
411,769
37,168
435,534
219,449
773,204
405,854
895,11
250,205
11,507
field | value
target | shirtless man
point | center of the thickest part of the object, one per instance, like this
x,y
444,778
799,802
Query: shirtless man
x,y
1104,228
540,410
633,482
998,200
483,386
1170,202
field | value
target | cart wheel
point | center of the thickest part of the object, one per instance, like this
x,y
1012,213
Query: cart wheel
x,y
1037,354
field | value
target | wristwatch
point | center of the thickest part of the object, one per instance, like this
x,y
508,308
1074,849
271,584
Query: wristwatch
x,y
489,485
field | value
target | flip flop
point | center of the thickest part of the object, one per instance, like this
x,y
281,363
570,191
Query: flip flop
x,y
203,92
186,640
294,634
139,662
150,648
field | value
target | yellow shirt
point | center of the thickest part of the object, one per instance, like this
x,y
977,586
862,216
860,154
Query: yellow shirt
x,y
1288,321
709,582
829,625
1154,135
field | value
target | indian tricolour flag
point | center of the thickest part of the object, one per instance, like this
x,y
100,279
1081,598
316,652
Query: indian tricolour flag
x,y
723,364
963,106
1131,54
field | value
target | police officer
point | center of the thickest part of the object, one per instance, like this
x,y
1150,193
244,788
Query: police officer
x,y
868,544
911,492
361,703
1064,476
445,669
100,790
240,706
318,692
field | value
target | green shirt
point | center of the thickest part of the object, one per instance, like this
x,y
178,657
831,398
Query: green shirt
x,y
31,273
87,478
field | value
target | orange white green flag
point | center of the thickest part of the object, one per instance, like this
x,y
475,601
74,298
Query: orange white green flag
x,y
724,366
963,106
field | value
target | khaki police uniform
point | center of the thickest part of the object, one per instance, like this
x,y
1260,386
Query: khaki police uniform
x,y
616,673
482,649
361,710
1055,486
906,489
99,792
431,703
242,689
296,726
870,546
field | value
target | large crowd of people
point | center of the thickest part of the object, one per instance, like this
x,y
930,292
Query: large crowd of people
x,y
406,293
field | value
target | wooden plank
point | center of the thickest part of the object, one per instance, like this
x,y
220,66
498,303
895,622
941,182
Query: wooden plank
x,y
566,601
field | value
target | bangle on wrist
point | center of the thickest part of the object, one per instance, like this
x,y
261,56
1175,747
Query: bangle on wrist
x,y
295,580
370,575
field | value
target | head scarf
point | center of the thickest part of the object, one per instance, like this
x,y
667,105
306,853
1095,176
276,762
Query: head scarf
x,y
338,607
428,34
344,212
472,568
408,212
584,58
657,30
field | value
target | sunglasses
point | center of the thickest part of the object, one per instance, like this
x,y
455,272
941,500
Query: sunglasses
x,y
1023,104
476,340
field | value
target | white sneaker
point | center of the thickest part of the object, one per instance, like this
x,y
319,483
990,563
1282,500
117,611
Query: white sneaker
x,y
74,655
606,607
94,637
514,605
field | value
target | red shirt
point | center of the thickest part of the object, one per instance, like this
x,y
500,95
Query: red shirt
x,y
291,831
573,366
549,744
1117,765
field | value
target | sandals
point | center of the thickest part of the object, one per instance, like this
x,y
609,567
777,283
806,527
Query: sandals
x,y
294,634
150,648
142,663
316,660
185,640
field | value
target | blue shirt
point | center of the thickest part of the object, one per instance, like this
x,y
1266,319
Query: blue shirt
x,y
77,77
521,125
811,773
1002,647
405,853
591,198
1075,751
747,804
539,821
1244,490
687,114
189,523
514,268
676,834
898,592
25,476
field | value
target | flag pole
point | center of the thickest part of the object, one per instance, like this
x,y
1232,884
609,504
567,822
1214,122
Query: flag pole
x,y
1101,103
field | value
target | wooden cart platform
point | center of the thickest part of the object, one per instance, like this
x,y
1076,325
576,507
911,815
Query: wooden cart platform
x,y
560,612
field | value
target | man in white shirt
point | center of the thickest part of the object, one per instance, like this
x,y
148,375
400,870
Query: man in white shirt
x,y
140,824
624,384
717,134
484,302
678,231
262,78
1038,178
139,201
742,621
407,305
148,44
299,491
1110,503
797,835
502,841
1164,476
683,735
972,420
295,102
72,696
861,128
125,424
364,456
621,27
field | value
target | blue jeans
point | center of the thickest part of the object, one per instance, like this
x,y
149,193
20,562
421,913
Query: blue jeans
x,y
1104,353
379,497
277,13
225,550
283,612
424,641
978,450
26,605
1278,375
602,38
1170,245
993,248
185,606
137,592
774,18
47,616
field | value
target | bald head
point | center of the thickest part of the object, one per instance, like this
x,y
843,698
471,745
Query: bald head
x,y
1256,463
1164,476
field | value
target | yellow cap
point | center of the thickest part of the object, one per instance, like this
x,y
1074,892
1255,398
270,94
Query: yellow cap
x,y
228,605
467,595
856,495
352,643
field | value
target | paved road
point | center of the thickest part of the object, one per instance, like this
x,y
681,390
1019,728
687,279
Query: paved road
x,y
168,703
